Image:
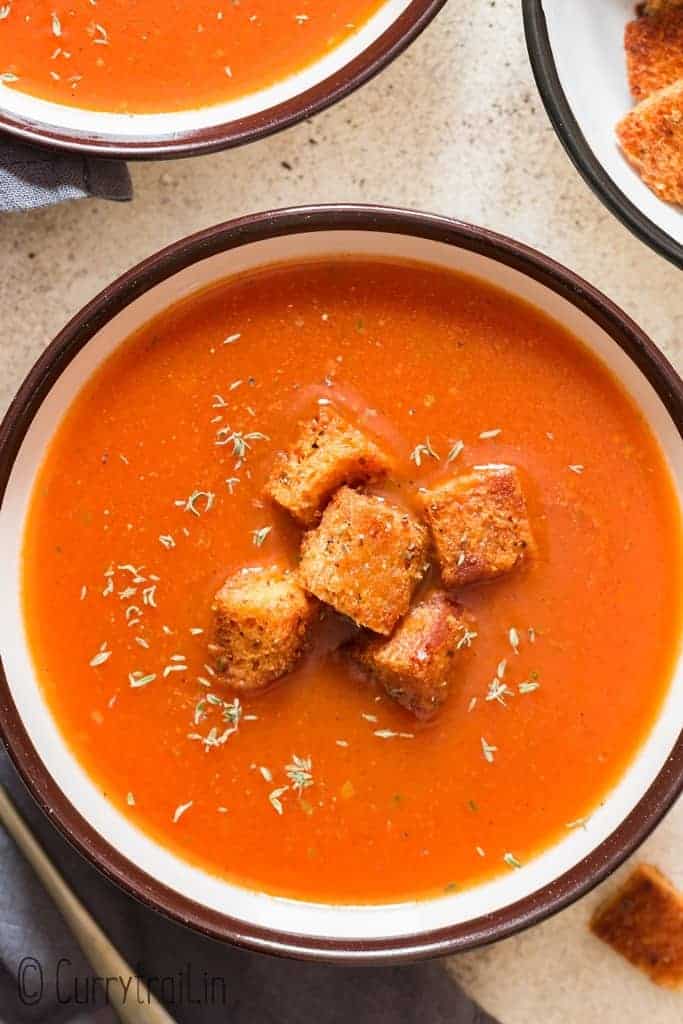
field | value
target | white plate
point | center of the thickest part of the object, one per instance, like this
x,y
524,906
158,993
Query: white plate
x,y
578,57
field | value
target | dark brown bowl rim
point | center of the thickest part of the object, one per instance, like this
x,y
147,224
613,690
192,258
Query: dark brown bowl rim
x,y
130,877
195,141
575,143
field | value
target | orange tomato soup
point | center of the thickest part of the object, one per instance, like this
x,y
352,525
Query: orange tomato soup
x,y
140,513
139,56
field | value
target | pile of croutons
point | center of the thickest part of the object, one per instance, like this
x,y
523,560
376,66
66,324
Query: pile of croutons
x,y
365,557
651,135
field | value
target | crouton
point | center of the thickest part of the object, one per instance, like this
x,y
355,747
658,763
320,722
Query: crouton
x,y
328,452
654,52
479,523
415,664
365,559
261,623
653,6
644,922
651,137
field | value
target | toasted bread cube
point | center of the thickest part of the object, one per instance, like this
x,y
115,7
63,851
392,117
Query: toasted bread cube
x,y
651,137
644,922
328,452
653,6
415,664
480,524
654,52
261,623
365,559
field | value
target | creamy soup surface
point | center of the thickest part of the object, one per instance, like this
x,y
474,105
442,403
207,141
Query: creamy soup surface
x,y
151,494
137,56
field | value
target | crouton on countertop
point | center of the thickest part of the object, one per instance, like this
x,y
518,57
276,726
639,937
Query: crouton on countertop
x,y
365,559
654,52
480,524
328,452
651,136
644,922
415,664
261,619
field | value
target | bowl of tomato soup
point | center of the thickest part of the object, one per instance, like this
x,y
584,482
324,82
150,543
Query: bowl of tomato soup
x,y
342,589
144,81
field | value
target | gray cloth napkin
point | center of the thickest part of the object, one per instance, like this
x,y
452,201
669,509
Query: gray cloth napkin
x,y
31,177
44,978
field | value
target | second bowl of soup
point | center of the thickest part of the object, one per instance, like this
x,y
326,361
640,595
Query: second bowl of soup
x,y
145,81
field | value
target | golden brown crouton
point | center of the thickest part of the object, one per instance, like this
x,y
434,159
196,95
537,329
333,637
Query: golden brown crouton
x,y
651,136
480,524
261,621
653,6
644,922
654,52
328,452
415,664
365,559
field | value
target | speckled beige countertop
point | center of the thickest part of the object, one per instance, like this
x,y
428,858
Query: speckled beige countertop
x,y
454,126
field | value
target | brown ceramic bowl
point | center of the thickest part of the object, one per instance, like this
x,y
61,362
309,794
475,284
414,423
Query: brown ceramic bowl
x,y
191,132
403,931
